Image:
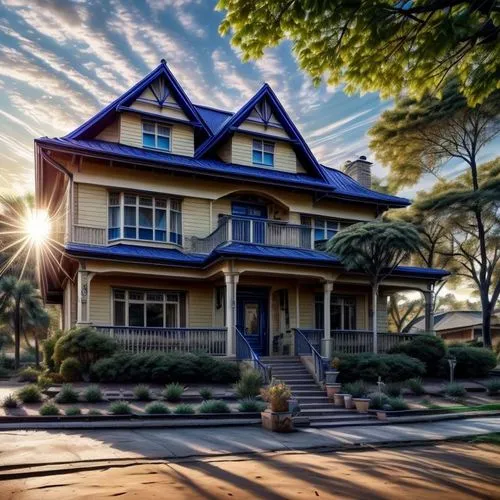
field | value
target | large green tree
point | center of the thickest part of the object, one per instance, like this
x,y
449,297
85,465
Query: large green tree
x,y
375,249
377,45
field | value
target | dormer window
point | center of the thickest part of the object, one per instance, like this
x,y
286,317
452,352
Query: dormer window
x,y
156,136
263,153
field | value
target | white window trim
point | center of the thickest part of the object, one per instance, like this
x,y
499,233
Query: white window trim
x,y
263,142
157,134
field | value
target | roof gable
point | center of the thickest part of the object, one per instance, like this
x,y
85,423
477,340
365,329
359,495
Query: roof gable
x,y
159,88
265,107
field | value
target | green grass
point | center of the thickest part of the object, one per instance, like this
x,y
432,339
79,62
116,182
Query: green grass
x,y
493,438
462,408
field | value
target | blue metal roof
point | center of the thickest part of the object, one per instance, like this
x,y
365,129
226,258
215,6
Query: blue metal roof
x,y
337,184
214,118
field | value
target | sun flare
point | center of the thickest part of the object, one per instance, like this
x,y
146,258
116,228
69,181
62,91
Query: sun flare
x,y
37,226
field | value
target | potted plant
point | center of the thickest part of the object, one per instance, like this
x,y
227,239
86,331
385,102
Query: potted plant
x,y
348,402
359,393
331,375
277,418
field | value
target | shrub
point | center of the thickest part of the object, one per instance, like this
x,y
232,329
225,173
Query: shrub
x,y
393,389
456,391
4,372
29,375
249,385
206,393
29,394
71,370
277,395
493,386
251,405
471,362
94,413
92,394
370,366
67,394
7,362
397,404
356,389
10,401
214,406
142,392
73,411
416,385
48,409
225,372
157,408
184,409
44,381
48,346
427,348
379,401
120,408
173,392
85,344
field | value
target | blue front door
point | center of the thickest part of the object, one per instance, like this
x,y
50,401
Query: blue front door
x,y
248,222
252,317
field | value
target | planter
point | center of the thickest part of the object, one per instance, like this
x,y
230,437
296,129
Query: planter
x,y
348,403
331,377
331,390
381,415
277,421
338,399
361,404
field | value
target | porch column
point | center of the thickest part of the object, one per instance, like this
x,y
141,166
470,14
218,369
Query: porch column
x,y
231,284
429,311
327,300
83,297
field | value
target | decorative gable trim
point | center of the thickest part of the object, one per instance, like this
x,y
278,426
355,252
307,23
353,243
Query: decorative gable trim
x,y
265,111
161,91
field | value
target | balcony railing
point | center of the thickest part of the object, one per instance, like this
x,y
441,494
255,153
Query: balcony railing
x,y
89,235
142,339
261,231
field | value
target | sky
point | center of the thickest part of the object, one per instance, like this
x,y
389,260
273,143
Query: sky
x,y
61,61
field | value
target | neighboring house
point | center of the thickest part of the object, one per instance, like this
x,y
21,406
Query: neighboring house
x,y
459,326
185,225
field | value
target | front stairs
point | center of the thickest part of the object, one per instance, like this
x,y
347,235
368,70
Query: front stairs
x,y
312,397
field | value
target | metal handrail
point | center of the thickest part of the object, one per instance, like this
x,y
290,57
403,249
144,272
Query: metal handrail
x,y
244,351
304,347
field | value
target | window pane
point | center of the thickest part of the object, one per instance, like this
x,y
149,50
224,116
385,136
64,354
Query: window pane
x,y
160,235
175,228
136,295
130,216
257,145
130,232
162,130
172,297
148,127
257,157
113,233
119,294
336,317
154,315
161,203
319,234
268,147
154,296
148,140
175,205
114,216
145,217
170,315
136,314
146,201
268,159
114,199
160,219
145,234
130,199
164,143
119,313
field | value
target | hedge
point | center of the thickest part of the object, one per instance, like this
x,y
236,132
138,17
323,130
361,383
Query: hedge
x,y
471,362
369,366
164,368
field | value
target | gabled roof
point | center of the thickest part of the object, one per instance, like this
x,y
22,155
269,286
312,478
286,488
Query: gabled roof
x,y
214,118
452,320
265,93
99,121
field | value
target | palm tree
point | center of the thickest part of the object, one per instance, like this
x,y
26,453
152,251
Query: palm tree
x,y
376,249
21,307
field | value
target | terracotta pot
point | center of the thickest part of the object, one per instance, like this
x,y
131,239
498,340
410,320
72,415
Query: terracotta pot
x,y
361,404
331,377
348,403
331,390
277,421
338,399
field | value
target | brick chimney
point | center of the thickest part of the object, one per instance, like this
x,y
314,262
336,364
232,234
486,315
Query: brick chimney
x,y
360,170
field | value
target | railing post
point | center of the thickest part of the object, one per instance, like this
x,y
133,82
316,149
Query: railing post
x,y
230,229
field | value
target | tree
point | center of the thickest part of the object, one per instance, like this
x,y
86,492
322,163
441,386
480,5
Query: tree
x,y
376,249
403,310
379,45
21,307
419,137
469,206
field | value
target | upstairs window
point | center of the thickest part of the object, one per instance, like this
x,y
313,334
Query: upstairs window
x,y
141,217
263,153
324,228
156,136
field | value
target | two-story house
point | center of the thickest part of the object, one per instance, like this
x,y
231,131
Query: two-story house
x,y
183,226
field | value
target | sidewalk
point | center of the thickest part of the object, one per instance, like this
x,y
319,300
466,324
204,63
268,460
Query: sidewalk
x,y
25,448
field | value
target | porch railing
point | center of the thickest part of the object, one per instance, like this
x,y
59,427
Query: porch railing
x,y
89,235
261,231
142,339
245,352
303,347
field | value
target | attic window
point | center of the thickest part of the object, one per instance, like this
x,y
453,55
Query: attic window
x,y
156,136
263,153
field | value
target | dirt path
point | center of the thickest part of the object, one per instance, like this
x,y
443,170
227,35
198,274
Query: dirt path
x,y
450,470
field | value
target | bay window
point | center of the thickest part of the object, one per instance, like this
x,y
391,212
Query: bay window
x,y
144,218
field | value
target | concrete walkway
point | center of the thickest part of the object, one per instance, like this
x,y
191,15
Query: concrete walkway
x,y
25,448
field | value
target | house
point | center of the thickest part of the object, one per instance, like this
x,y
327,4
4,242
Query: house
x,y
459,326
183,226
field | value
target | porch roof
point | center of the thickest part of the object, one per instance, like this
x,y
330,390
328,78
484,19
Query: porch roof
x,y
176,257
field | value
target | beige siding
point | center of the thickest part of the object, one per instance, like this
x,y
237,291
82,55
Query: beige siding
x,y
253,126
200,307
100,302
306,307
169,111
225,152
111,133
131,134
91,206
221,206
361,319
196,217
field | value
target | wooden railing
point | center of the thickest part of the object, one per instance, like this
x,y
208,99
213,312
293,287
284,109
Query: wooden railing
x,y
261,231
89,235
304,348
142,339
245,352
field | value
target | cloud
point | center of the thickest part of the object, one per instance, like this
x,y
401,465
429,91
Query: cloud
x,y
335,125
21,123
